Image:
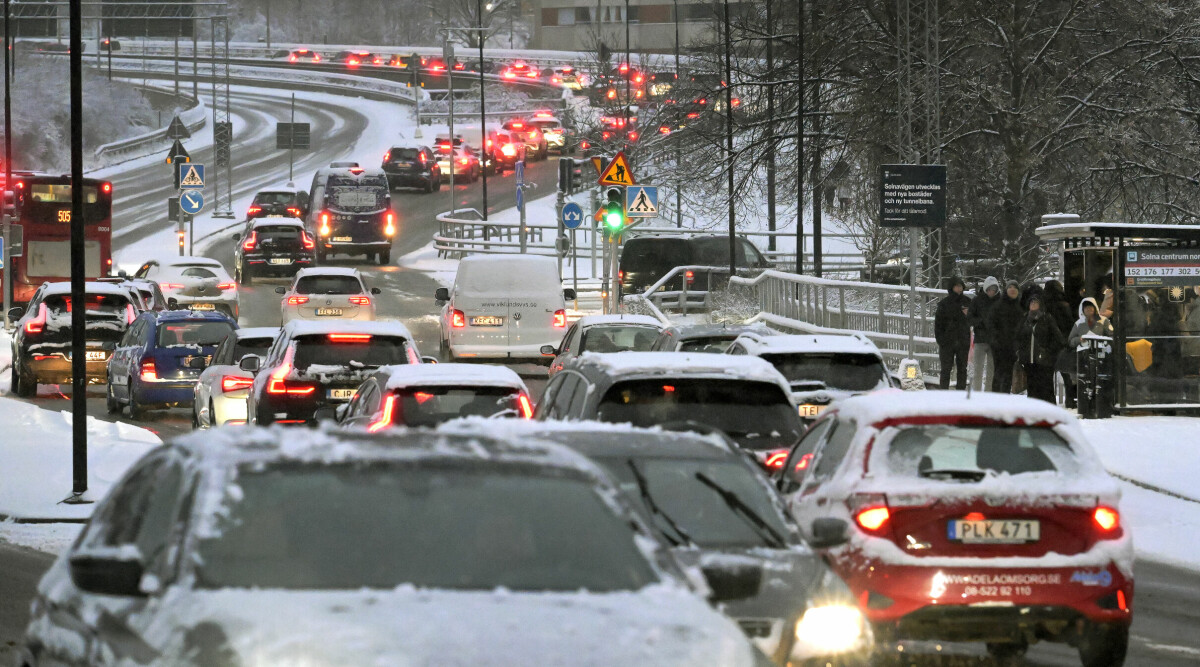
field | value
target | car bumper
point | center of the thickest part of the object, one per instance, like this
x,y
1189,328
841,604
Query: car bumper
x,y
404,180
56,369
272,264
170,393
556,142
228,408
225,305
483,351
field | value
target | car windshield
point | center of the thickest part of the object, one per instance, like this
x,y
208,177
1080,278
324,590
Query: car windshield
x,y
328,285
246,346
693,506
618,338
430,406
197,272
406,154
970,453
757,414
103,305
847,371
715,345
352,352
268,234
274,198
193,332
353,526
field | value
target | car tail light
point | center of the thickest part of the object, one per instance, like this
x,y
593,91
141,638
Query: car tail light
x,y
458,319
225,286
385,418
560,318
234,383
1107,519
106,188
390,229
360,300
387,155
130,313
555,80
350,338
737,102
525,405
509,75
689,276
612,93
297,300
37,324
294,211
292,58
872,518
357,171
278,385
167,286
585,144
509,150
421,157
352,62
324,231
621,276
464,161
776,459
250,242
533,135
663,129
252,210
316,58
804,462
307,240
606,135
633,135
148,372
693,115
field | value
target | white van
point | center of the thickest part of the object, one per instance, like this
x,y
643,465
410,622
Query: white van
x,y
503,307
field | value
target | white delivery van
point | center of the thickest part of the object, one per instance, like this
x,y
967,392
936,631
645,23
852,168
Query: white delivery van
x,y
503,307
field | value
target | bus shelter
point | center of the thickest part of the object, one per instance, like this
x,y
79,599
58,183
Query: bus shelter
x,y
1147,280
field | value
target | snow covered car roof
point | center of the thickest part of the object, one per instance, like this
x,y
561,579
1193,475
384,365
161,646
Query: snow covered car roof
x,y
481,375
379,328
277,220
681,364
895,405
90,287
188,260
602,438
686,331
798,343
635,320
257,332
328,271
180,315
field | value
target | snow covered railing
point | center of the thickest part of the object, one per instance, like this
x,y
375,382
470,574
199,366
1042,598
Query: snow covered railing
x,y
819,305
464,232
193,118
697,286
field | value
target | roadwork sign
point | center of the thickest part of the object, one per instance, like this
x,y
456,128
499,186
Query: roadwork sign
x,y
641,201
191,176
618,172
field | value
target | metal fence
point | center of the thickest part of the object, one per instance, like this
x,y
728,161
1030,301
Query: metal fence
x,y
193,118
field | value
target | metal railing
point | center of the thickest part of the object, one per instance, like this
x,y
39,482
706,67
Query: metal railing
x,y
658,301
193,118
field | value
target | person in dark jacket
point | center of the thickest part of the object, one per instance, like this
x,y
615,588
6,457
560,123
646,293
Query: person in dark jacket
x,y
952,332
982,362
1055,303
1038,343
1004,321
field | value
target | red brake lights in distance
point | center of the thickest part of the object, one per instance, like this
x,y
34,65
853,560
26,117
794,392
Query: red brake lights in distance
x,y
872,518
350,338
776,459
252,210
526,406
560,318
225,286
148,372
360,301
234,383
294,211
106,188
458,319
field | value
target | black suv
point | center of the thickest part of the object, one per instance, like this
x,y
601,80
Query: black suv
x,y
287,202
412,166
272,246
646,259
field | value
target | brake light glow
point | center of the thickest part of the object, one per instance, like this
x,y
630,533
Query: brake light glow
x,y
1122,604
170,286
277,385
390,229
974,516
106,188
509,150
353,62
234,383
560,318
148,372
324,231
458,319
252,210
294,211
690,276
526,406
387,155
804,462
356,170
307,240
385,419
663,129
350,338
37,324
292,58
612,94
1106,518
421,157
251,240
872,518
225,286
360,300
518,125
297,300
776,459
463,161
509,75
633,136
130,313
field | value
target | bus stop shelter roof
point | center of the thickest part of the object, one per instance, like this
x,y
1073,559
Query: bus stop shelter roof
x,y
1137,233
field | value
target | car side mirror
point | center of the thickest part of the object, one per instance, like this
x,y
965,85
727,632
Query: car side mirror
x,y
172,304
827,533
429,360
15,312
281,290
569,293
732,581
549,350
441,294
376,290
251,363
110,572
237,236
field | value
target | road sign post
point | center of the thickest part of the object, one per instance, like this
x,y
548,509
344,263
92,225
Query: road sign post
x,y
520,174
913,196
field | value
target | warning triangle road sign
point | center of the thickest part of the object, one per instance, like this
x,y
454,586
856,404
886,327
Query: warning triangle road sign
x,y
598,163
178,154
617,172
177,130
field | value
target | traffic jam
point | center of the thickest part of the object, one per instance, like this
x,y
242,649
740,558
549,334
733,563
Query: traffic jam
x,y
650,493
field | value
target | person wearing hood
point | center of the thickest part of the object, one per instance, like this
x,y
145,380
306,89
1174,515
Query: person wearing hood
x,y
1004,322
1038,343
1055,303
982,361
1090,322
952,331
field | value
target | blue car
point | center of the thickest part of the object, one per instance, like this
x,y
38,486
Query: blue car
x,y
159,360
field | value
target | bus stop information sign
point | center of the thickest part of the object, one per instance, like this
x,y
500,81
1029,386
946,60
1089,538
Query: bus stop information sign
x,y
1162,267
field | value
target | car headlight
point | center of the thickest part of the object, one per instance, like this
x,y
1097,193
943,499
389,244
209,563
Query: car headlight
x,y
830,630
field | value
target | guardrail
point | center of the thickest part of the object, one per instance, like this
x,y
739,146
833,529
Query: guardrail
x,y
658,302
193,118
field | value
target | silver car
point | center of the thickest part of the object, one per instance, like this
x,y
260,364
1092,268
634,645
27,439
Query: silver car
x,y
194,283
220,394
325,293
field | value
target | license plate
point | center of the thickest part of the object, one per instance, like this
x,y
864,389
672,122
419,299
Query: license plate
x,y
341,394
276,215
807,410
487,321
202,306
95,355
333,312
998,531
281,260
343,239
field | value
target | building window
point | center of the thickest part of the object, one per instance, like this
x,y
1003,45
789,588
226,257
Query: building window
x,y
583,15
566,16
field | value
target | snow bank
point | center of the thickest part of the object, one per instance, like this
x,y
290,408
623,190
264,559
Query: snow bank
x,y
5,362
35,457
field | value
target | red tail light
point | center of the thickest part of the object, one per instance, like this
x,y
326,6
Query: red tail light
x,y
252,210
776,459
621,276
689,276
278,385
297,300
421,157
292,58
307,240
360,301
130,313
250,242
387,156
167,286
804,462
352,62
294,211
324,231
509,150
560,318
737,102
390,229
37,324
458,319
106,188
148,372
1107,519
225,286
663,129
234,383
351,338
612,94
357,171
633,136
526,406
316,58
385,419
872,518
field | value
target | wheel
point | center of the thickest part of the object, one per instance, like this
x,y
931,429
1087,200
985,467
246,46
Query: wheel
x,y
437,187
429,186
1104,645
26,385
14,380
135,411
246,276
385,258
212,415
110,402
195,418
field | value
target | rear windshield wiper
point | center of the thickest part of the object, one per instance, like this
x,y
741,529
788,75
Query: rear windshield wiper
x,y
740,508
966,475
680,538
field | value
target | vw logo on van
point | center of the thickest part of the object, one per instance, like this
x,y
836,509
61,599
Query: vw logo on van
x,y
517,316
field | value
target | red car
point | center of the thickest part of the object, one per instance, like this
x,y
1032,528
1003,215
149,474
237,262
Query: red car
x,y
986,519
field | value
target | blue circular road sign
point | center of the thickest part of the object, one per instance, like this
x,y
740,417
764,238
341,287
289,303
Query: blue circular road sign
x,y
572,215
191,202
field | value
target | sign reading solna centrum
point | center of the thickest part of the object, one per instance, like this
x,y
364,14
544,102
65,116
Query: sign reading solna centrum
x,y
912,195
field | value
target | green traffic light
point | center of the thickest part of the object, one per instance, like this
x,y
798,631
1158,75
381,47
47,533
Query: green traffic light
x,y
614,218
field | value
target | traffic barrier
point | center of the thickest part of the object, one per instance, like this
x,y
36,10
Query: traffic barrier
x,y
193,118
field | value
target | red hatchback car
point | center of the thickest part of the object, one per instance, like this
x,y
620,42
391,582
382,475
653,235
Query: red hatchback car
x,y
982,519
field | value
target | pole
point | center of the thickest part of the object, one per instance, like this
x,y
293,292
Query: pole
x,y
678,147
79,482
800,142
575,270
450,89
191,223
729,142
482,114
628,70
913,242
614,284
292,141
195,62
559,201
176,63
110,50
818,182
268,25
770,127
7,276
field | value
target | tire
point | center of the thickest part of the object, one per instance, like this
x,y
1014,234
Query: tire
x,y
385,258
26,385
1104,645
136,412
247,276
429,186
195,418
437,187
14,380
110,402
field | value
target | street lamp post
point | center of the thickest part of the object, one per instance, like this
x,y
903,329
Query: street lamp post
x,y
729,139
483,138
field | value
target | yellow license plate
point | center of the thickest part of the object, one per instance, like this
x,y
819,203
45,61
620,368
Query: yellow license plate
x,y
343,239
202,306
808,410
487,321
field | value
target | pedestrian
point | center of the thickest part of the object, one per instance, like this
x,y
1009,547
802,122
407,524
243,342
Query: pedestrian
x,y
1004,322
982,359
1038,344
952,332
1090,321
1055,303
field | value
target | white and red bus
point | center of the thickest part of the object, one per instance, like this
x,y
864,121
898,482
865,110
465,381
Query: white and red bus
x,y
43,207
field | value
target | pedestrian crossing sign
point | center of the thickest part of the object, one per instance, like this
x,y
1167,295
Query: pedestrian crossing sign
x,y
641,201
191,175
618,172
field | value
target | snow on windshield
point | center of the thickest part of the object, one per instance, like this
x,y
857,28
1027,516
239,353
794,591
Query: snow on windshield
x,y
971,453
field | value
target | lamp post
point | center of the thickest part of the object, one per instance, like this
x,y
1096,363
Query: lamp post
x,y
729,140
483,138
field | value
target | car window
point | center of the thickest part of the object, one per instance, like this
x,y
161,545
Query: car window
x,y
567,344
197,272
193,332
545,404
562,401
273,198
328,285
618,338
356,351
432,405
366,401
753,256
268,234
970,453
245,346
223,351
830,456
708,345
819,370
407,154
579,398
108,306
125,512
800,459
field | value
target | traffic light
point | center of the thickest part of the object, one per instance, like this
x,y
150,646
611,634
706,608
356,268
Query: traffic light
x,y
570,175
614,210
